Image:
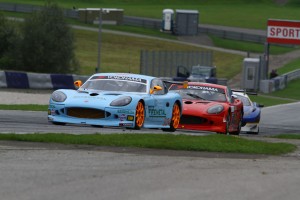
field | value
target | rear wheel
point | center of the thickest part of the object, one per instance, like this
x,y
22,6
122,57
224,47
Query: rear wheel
x,y
237,132
139,115
174,120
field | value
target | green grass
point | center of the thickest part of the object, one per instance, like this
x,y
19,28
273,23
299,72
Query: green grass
x,y
31,107
249,46
237,13
293,65
268,100
210,143
290,91
287,136
122,53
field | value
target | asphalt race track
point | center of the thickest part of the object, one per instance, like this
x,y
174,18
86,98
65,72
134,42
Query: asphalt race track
x,y
274,120
34,171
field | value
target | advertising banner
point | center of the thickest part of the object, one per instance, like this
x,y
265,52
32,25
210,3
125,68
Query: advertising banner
x,y
283,32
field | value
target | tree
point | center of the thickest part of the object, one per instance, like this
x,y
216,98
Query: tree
x,y
48,43
9,45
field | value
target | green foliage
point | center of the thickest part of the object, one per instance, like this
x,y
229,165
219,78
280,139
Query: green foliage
x,y
48,42
9,45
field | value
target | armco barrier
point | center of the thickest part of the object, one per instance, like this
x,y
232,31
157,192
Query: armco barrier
x,y
279,82
23,80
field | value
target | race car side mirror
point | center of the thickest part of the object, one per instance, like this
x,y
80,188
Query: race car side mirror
x,y
155,88
78,84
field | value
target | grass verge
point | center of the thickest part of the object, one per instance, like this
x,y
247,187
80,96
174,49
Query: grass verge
x,y
287,136
31,107
209,143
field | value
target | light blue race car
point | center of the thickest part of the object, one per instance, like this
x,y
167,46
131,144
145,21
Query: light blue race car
x,y
117,99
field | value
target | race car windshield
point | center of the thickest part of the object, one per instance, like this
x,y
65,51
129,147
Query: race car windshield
x,y
200,71
114,85
193,94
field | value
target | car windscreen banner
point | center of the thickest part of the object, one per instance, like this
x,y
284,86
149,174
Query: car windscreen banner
x,y
123,78
283,31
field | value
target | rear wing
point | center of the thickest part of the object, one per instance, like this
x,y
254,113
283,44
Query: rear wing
x,y
244,91
169,83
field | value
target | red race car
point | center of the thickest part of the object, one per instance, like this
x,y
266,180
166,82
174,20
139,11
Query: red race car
x,y
209,107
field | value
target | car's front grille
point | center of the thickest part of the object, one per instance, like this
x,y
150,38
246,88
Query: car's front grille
x,y
88,113
186,119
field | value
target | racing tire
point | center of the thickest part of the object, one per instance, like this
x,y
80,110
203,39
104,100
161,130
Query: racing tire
x,y
59,123
239,129
139,116
237,132
174,120
227,125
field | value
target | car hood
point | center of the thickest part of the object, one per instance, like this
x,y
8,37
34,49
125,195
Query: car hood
x,y
249,110
197,106
76,97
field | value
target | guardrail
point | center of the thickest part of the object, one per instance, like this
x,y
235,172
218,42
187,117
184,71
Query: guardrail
x,y
23,80
279,82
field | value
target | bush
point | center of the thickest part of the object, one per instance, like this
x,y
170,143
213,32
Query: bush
x,y
9,45
48,43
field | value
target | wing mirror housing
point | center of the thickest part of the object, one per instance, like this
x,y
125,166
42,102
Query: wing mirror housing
x,y
78,84
155,88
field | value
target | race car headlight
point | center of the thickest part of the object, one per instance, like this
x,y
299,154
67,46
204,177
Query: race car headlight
x,y
122,101
58,96
215,109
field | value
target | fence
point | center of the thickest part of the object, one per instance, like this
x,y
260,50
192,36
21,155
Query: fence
x,y
23,80
165,63
259,37
279,82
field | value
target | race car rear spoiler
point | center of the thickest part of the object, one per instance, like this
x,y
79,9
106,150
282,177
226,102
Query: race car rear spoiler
x,y
244,91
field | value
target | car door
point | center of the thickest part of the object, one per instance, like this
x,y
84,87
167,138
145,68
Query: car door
x,y
159,105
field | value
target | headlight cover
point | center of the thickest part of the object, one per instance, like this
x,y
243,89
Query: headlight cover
x,y
122,101
216,109
58,96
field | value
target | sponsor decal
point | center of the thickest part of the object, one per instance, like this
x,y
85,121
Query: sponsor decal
x,y
197,87
122,117
130,118
51,106
125,124
167,122
120,77
125,111
51,112
157,112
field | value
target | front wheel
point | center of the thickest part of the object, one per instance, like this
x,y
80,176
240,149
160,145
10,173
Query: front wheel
x,y
139,115
59,123
174,120
237,132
